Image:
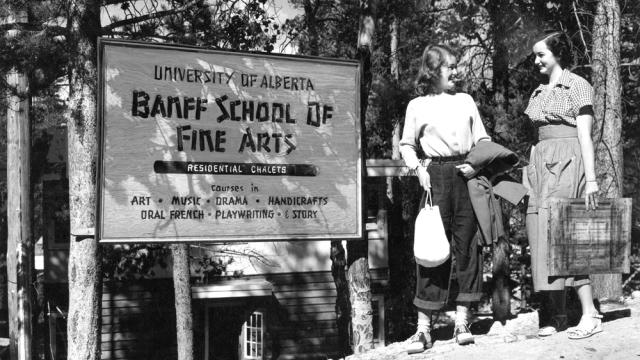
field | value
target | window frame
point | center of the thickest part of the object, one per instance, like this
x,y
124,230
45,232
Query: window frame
x,y
260,343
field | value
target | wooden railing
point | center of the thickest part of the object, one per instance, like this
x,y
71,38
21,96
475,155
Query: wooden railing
x,y
386,168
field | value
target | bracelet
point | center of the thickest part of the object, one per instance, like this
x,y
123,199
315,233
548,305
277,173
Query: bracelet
x,y
592,181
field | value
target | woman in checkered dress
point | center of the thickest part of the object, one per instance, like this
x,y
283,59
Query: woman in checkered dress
x,y
561,165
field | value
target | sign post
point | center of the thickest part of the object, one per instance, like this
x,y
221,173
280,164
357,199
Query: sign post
x,y
203,145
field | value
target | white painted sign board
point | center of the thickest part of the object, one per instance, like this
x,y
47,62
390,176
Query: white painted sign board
x,y
204,145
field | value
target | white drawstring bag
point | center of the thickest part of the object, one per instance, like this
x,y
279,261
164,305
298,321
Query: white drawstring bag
x,y
430,245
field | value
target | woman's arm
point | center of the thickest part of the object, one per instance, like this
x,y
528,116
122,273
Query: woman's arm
x,y
478,132
408,146
585,123
409,149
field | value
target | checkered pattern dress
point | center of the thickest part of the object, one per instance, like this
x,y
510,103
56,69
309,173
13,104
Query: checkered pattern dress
x,y
555,168
562,103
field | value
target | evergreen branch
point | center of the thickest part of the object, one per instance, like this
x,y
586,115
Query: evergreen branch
x,y
334,19
480,40
584,43
31,27
437,10
113,2
127,34
146,17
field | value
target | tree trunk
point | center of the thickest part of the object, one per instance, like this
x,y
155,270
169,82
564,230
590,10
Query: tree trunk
x,y
357,251
182,290
500,56
400,253
85,270
343,307
360,294
501,293
395,135
338,260
19,239
311,23
395,73
607,128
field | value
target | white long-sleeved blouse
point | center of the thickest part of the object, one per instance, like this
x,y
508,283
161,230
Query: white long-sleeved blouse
x,y
442,125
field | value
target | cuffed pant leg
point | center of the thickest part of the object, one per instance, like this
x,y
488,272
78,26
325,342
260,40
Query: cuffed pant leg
x,y
432,283
465,245
432,286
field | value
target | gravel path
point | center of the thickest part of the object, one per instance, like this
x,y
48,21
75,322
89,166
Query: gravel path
x,y
620,340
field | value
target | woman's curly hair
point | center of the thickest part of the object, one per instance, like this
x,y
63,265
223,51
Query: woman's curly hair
x,y
433,58
560,46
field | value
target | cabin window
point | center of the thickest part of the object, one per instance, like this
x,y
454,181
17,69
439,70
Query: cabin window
x,y
253,339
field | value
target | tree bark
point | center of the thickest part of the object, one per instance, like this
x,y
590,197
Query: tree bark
x,y
500,54
501,293
338,259
400,253
19,239
311,23
85,270
357,251
607,128
182,290
395,74
342,307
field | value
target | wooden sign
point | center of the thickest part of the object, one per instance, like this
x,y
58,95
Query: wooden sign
x,y
203,145
585,242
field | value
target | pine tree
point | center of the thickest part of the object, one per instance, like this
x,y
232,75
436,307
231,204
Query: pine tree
x,y
608,120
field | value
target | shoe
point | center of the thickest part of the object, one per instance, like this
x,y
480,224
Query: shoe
x,y
558,323
418,342
463,335
547,331
589,325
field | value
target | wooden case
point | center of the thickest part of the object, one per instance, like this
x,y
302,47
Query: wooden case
x,y
588,242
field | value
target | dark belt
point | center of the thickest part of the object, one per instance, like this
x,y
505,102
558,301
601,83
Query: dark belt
x,y
448,159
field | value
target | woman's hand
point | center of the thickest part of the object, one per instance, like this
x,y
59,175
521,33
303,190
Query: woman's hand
x,y
423,176
467,170
591,195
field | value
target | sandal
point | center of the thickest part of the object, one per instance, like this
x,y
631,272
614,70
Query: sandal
x,y
583,331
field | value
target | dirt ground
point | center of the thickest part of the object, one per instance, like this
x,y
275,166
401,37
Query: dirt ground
x,y
517,340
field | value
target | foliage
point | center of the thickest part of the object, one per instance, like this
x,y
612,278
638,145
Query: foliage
x,y
124,262
37,49
224,24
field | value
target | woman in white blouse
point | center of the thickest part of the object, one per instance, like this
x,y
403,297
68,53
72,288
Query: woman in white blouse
x,y
440,128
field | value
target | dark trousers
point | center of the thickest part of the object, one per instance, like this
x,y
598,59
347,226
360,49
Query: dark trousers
x,y
450,193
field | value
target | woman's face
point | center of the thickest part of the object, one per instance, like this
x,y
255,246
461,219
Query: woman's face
x,y
448,73
545,60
